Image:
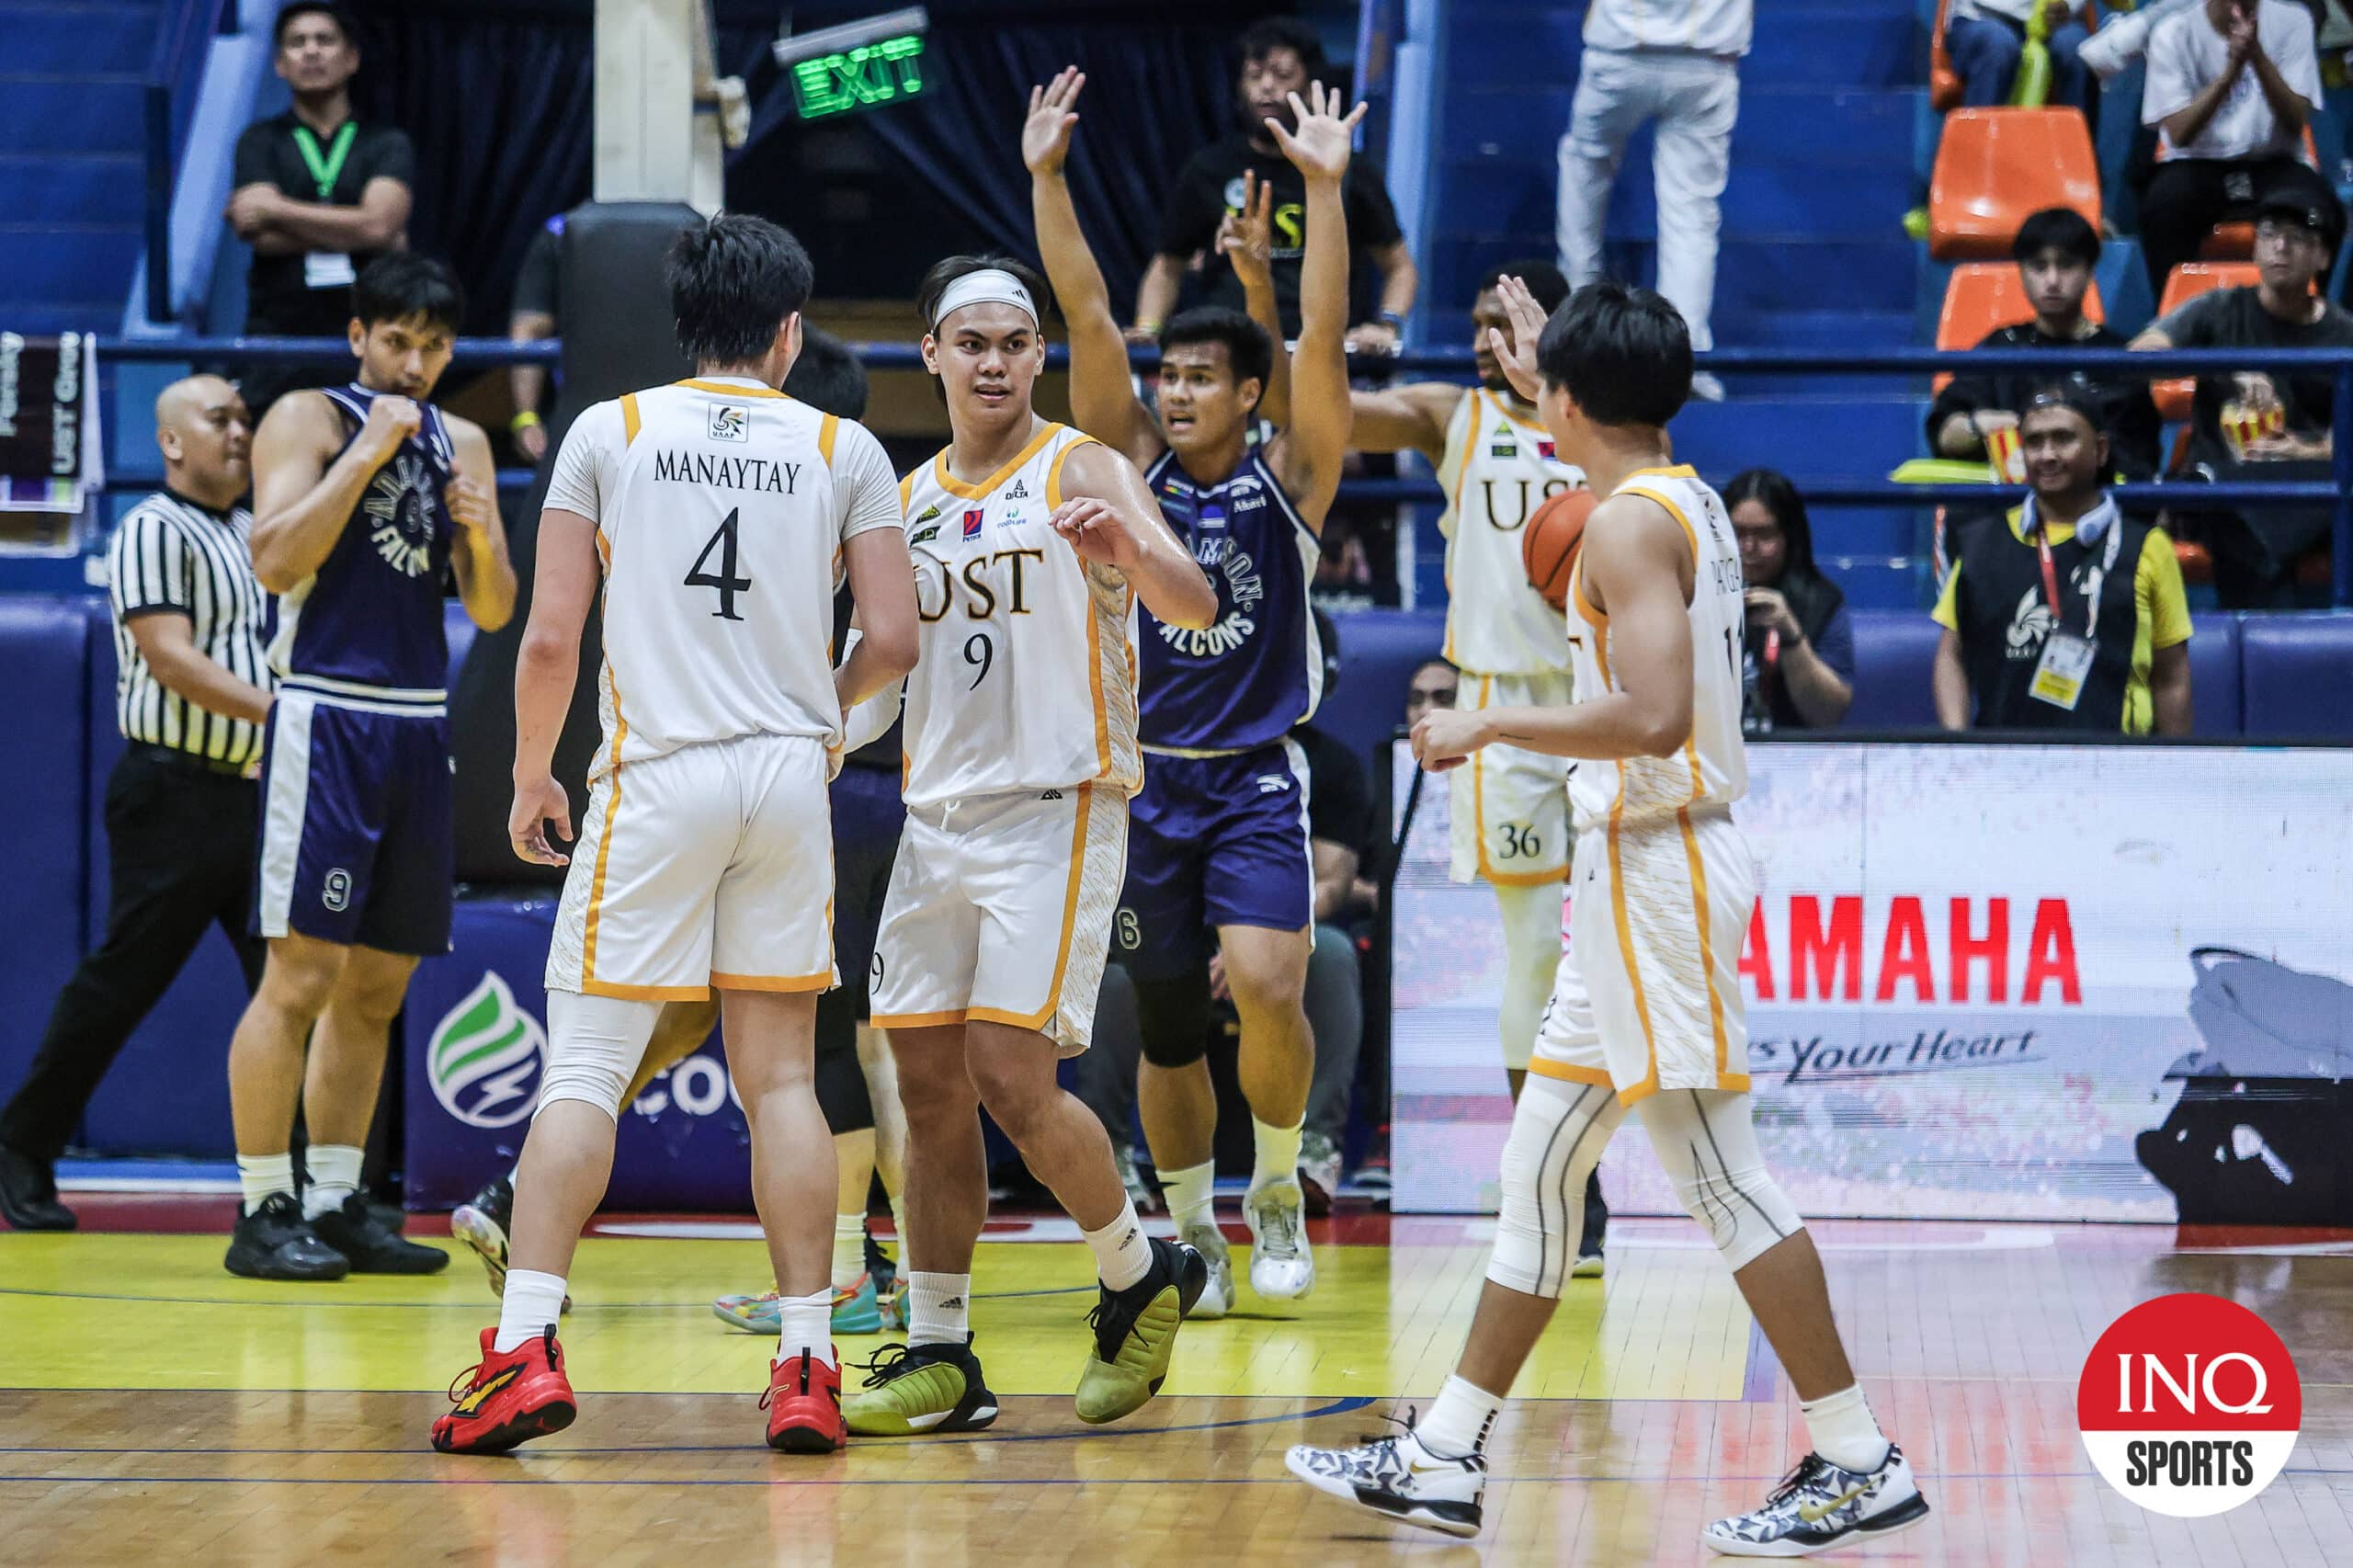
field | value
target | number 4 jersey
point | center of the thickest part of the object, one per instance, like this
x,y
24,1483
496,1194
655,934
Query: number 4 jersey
x,y
722,506
1026,679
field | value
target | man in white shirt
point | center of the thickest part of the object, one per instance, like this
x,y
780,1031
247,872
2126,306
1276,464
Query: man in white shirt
x,y
2231,85
1676,62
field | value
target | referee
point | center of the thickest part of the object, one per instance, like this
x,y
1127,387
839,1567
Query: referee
x,y
181,810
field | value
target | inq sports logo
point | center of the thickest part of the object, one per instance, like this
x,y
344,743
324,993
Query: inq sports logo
x,y
485,1058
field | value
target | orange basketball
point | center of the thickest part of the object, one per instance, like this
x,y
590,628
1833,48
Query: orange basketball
x,y
1548,546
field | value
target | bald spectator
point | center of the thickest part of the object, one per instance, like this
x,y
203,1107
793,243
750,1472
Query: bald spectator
x,y
181,806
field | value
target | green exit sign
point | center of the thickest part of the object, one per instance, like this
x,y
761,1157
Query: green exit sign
x,y
879,73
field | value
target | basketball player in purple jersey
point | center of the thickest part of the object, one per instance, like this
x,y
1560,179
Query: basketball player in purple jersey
x,y
364,495
1219,835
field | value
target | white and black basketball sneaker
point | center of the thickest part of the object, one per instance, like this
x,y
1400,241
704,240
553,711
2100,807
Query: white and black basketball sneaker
x,y
1400,1480
1820,1505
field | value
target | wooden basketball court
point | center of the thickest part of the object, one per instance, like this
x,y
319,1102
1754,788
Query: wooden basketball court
x,y
154,1409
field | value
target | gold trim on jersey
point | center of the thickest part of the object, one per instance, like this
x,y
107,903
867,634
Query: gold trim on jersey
x,y
826,430
1544,1068
630,421
1054,473
772,982
1487,871
1690,534
725,389
988,487
1626,951
589,981
1699,912
1043,1016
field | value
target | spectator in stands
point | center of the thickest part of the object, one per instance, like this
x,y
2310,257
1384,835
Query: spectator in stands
x,y
535,315
2231,85
1434,684
2057,250
1281,55
318,194
2258,424
1676,61
1986,39
181,810
2066,614
1798,656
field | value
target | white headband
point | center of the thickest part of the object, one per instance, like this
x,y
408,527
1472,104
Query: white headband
x,y
989,286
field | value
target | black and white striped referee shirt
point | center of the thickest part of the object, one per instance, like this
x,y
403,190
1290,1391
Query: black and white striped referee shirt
x,y
170,554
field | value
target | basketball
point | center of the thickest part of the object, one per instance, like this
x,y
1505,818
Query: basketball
x,y
1548,546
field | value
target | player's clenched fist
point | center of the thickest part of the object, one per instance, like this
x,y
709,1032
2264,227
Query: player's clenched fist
x,y
391,421
469,504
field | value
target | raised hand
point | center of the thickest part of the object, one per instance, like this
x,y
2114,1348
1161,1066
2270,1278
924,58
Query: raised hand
x,y
1246,238
1045,135
1516,351
391,421
1319,146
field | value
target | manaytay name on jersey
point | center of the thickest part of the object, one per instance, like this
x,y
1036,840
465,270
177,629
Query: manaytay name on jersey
x,y
726,472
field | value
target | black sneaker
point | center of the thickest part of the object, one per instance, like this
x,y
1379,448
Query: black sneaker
x,y
28,1193
274,1242
1135,1330
354,1231
917,1388
483,1223
879,1266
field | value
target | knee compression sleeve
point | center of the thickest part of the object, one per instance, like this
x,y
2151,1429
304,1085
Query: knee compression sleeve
x,y
1707,1144
1173,1015
842,1093
1531,954
1558,1131
594,1046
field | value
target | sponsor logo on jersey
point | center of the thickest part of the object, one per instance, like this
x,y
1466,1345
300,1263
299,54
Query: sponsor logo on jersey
x,y
731,423
1018,493
485,1056
1273,783
1212,515
1544,450
926,513
972,515
1505,447
922,534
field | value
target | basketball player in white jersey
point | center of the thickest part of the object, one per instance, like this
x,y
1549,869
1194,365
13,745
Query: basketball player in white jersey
x,y
719,516
1032,543
1664,887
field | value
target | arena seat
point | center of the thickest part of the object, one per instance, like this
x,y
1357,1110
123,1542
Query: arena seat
x,y
2184,284
2294,674
1895,652
44,648
183,1045
1945,85
2235,240
1996,166
2216,695
1379,653
1983,296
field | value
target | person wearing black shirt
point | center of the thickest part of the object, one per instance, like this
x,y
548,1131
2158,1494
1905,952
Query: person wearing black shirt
x,y
1280,57
318,196
2055,250
2266,424
535,315
1797,646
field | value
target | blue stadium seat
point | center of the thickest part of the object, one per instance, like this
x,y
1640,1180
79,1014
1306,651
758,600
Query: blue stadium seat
x,y
2215,674
1894,651
43,648
1379,653
2298,675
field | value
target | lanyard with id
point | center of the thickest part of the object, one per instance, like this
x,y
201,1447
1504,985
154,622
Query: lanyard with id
x,y
2066,662
326,269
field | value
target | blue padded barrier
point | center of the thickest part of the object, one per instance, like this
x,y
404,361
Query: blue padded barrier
x,y
2298,675
1894,652
43,652
1379,652
2215,674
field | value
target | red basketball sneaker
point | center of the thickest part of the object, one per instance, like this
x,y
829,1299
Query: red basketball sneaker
x,y
510,1397
804,1407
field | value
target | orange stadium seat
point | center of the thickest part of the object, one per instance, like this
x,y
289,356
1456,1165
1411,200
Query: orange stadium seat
x,y
1944,82
1996,166
2189,280
1983,295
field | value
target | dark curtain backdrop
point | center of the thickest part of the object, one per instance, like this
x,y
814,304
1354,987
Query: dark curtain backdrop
x,y
497,98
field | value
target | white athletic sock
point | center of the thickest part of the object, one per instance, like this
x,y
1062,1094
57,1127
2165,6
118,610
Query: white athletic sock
x,y
1459,1423
807,1325
1191,1194
1122,1256
334,1176
849,1250
1844,1432
1277,1156
939,1308
263,1174
899,1224
530,1306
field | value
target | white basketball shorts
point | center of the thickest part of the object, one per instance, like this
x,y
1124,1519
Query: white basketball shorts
x,y
1509,808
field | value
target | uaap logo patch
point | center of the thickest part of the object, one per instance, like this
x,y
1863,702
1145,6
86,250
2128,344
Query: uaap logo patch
x,y
731,422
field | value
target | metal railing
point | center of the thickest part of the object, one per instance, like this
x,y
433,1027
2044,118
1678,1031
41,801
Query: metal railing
x,y
173,71
1850,490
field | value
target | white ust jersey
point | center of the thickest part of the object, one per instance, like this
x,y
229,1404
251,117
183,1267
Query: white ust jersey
x,y
1026,679
1497,469
1711,768
722,507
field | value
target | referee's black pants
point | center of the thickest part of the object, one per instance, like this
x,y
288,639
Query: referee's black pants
x,y
182,844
